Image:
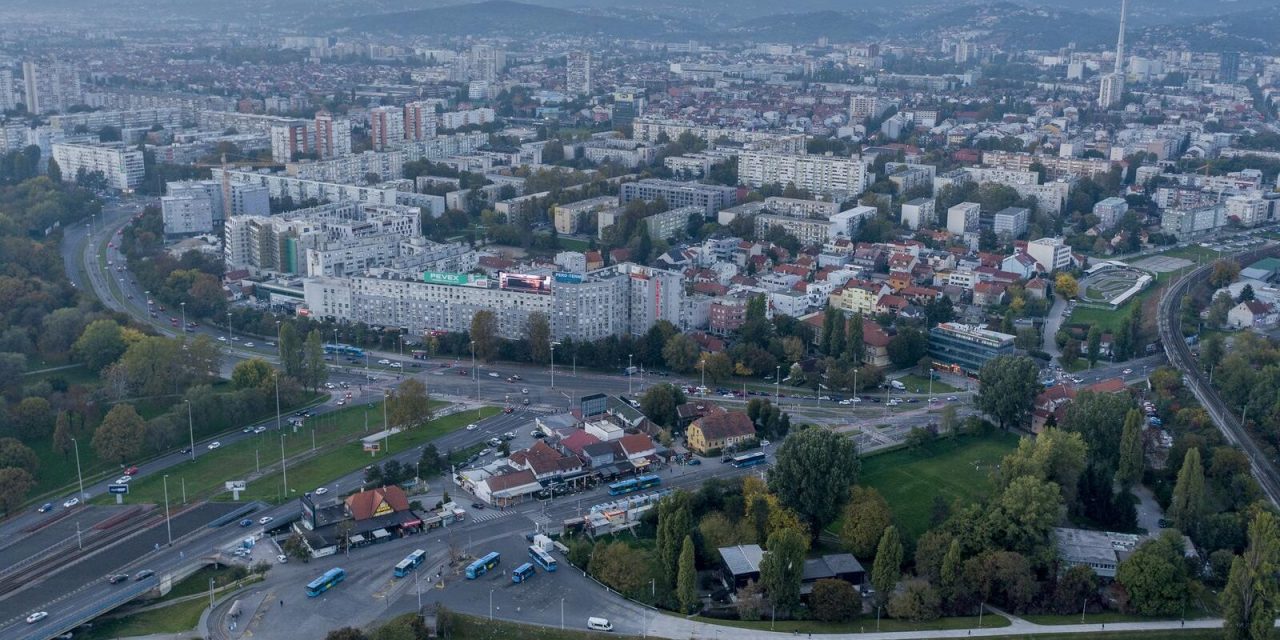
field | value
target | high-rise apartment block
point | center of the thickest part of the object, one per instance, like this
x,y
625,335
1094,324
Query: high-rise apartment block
x,y
290,139
819,175
917,213
386,127
51,87
198,206
1011,221
578,73
420,119
121,166
333,135
8,97
963,217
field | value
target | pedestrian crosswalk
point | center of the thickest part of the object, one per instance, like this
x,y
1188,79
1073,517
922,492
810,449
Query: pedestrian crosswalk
x,y
489,514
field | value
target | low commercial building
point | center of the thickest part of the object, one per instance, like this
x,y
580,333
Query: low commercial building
x,y
965,348
1101,551
363,518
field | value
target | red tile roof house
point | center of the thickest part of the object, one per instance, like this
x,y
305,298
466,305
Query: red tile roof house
x,y
1052,401
545,463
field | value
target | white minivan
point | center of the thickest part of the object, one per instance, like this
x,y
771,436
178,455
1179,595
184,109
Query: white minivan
x,y
599,624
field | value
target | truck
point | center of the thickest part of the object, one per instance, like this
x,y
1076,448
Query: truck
x,y
897,384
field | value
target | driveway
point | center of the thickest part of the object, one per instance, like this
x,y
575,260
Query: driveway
x,y
1052,323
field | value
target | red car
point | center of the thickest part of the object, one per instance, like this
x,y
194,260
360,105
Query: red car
x,y
131,471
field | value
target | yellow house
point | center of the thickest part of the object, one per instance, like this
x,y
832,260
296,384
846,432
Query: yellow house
x,y
719,430
858,297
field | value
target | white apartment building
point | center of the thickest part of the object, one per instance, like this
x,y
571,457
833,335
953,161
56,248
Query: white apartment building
x,y
1183,223
459,119
420,118
51,86
351,168
8,97
628,153
122,167
820,175
348,238
386,127
281,186
568,216
197,206
290,139
963,217
1011,222
816,230
167,117
1251,209
578,73
1109,211
711,198
918,213
1051,253
1054,165
650,129
801,207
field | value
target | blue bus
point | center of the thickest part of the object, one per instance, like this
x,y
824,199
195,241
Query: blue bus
x,y
633,485
410,563
483,565
542,559
749,459
522,573
325,582
344,349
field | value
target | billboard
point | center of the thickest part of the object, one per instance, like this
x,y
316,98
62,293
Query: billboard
x,y
118,488
568,278
438,277
524,282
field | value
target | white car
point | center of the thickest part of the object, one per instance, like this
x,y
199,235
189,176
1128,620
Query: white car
x,y
384,361
951,398
328,385
321,491
124,479
259,429
1127,371
265,519
396,365
472,427
37,617
249,344
214,445
282,559
71,503
222,338
765,443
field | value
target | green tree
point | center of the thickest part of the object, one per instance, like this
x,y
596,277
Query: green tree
x,y
1251,600
812,472
1129,471
687,580
782,568
408,405
539,336
1055,455
952,565
1188,504
291,352
866,516
622,567
317,370
1008,386
838,334
719,366
1025,513
1099,418
916,601
680,353
62,434
15,484
101,343
835,600
659,402
1095,345
253,373
484,334
15,454
431,463
119,437
887,567
854,345
675,522
908,347
1155,576
33,417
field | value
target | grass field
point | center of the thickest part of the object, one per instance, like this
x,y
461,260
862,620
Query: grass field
x,y
205,476
318,471
864,624
952,469
176,618
466,627
913,382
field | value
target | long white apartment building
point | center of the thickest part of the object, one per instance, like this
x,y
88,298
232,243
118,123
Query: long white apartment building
x,y
816,230
650,129
167,117
345,238
351,168
568,217
820,175
1054,165
122,166
617,300
468,117
281,186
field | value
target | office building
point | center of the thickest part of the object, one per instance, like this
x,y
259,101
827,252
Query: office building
x,y
1011,222
333,136
578,73
820,175
711,198
963,217
1109,211
386,127
965,348
568,217
51,86
290,140
8,97
1051,253
121,166
918,213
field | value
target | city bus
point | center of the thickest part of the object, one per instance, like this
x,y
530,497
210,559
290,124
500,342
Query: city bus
x,y
419,354
483,565
749,459
633,485
410,563
325,582
542,559
522,573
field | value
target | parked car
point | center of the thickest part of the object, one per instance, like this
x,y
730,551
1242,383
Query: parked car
x,y
477,505
282,559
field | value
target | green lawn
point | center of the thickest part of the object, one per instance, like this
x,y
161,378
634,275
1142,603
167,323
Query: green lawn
x,y
573,244
205,477
176,618
953,469
318,471
1107,617
913,382
476,628
864,624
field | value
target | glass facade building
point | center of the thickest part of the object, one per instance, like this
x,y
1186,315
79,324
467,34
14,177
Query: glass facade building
x,y
967,347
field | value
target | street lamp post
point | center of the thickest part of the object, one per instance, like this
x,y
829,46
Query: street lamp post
x,y
777,384
79,477
284,468
167,526
491,604
629,374
276,377
191,431
184,319
229,333
475,375
553,365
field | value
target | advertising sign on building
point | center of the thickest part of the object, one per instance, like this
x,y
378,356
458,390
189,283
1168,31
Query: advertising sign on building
x,y
437,277
568,277
524,282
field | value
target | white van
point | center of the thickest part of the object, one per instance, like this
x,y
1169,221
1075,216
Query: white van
x,y
599,624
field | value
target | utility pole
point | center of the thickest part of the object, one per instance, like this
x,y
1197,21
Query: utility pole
x,y
191,431
79,476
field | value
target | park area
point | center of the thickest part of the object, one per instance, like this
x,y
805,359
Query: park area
x,y
948,468
1113,286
